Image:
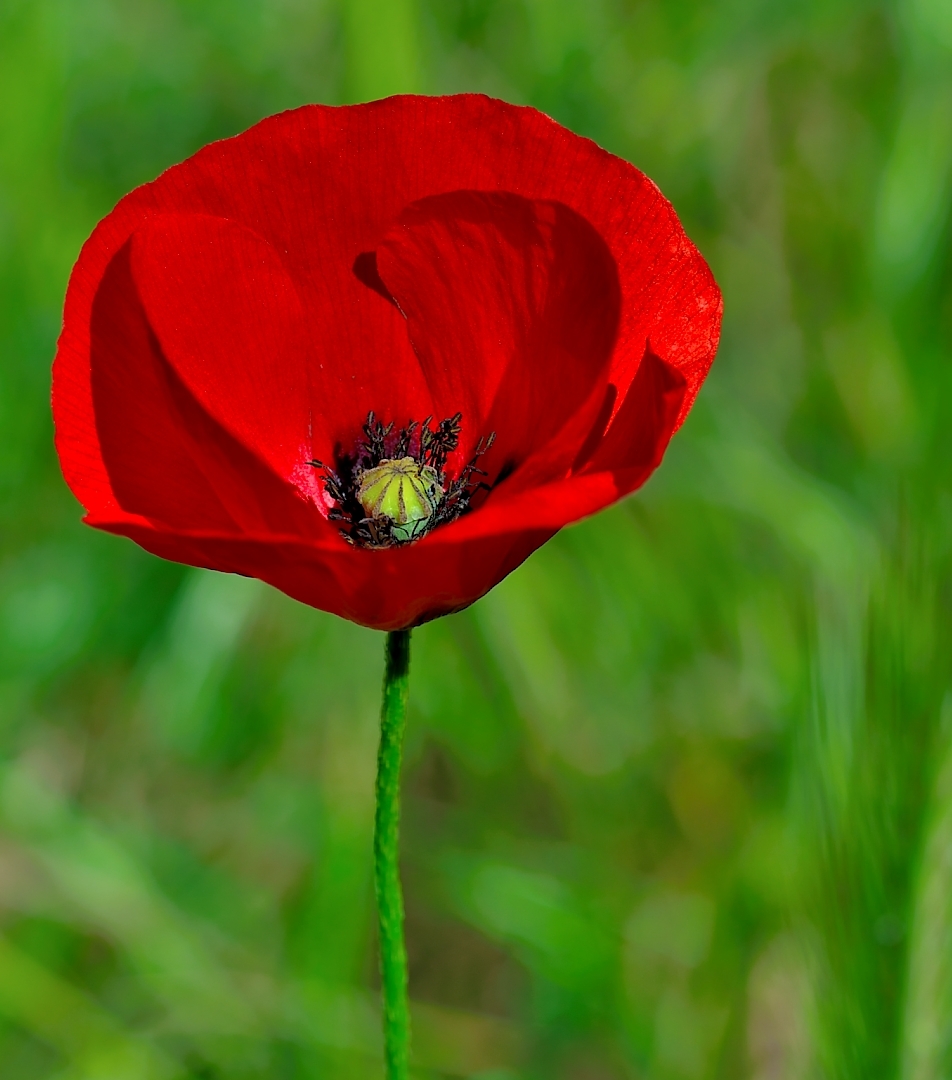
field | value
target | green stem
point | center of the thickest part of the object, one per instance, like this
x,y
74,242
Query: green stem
x,y
393,954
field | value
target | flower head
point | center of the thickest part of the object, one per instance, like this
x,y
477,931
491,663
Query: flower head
x,y
375,355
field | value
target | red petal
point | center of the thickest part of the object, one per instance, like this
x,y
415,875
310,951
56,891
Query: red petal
x,y
229,322
687,325
623,461
639,433
147,456
512,307
386,590
163,456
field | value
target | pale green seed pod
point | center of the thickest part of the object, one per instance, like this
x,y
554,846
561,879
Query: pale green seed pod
x,y
402,490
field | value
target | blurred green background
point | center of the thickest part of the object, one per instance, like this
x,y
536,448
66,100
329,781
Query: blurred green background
x,y
679,791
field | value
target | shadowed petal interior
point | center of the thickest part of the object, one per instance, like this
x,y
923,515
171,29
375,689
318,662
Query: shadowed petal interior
x,y
168,458
512,306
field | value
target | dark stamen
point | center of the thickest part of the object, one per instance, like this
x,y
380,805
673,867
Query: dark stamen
x,y
401,477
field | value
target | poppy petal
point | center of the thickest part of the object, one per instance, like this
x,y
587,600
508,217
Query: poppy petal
x,y
512,305
626,457
163,456
639,433
379,589
230,324
149,461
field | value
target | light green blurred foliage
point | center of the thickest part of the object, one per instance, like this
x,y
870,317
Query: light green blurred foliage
x,y
678,797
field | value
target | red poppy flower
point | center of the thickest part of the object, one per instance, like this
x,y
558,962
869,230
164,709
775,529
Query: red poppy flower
x,y
230,327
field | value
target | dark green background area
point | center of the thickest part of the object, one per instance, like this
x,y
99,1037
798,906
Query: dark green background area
x,y
679,791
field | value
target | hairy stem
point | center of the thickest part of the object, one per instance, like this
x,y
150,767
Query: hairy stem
x,y
393,955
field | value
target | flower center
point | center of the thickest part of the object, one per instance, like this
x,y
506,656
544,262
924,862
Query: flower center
x,y
394,488
403,491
